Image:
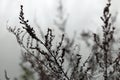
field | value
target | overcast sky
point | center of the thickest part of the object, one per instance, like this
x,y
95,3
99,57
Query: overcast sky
x,y
83,14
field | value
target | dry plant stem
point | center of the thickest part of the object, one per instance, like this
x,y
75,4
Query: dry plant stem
x,y
107,36
31,32
108,31
106,43
56,61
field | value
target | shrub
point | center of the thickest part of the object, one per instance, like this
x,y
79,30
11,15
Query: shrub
x,y
49,61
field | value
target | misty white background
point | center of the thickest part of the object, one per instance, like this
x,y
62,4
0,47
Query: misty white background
x,y
83,14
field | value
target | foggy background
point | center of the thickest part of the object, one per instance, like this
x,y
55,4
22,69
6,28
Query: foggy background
x,y
83,15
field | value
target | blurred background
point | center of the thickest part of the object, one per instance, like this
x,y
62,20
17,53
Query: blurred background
x,y
82,15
